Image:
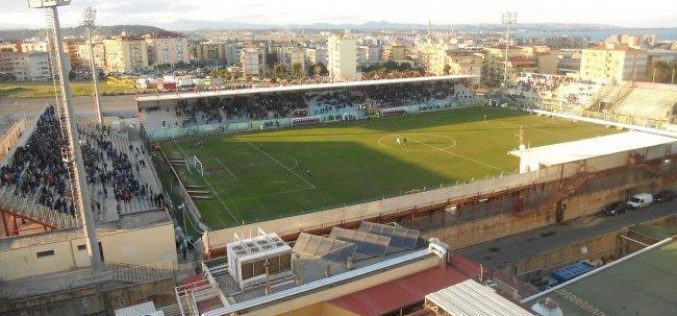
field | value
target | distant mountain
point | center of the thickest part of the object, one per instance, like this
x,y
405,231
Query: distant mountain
x,y
78,31
196,27
190,25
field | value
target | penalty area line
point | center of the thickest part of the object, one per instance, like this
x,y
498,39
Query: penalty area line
x,y
312,186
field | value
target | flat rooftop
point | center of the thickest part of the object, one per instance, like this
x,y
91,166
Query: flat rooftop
x,y
558,154
640,284
294,88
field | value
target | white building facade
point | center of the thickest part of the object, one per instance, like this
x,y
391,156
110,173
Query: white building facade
x,y
342,57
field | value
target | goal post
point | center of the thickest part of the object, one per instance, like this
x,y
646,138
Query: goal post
x,y
199,167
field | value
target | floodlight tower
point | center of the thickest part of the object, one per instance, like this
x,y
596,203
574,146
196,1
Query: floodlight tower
x,y
88,18
509,19
71,152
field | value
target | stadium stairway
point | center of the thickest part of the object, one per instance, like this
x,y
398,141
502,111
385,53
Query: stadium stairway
x,y
108,212
566,189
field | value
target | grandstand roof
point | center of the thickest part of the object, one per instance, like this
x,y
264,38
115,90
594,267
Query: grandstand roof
x,y
642,283
592,147
470,298
393,295
316,86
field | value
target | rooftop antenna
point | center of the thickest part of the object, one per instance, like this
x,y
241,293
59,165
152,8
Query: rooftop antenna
x,y
509,19
72,154
88,18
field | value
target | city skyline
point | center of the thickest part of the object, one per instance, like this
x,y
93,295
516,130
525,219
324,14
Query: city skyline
x,y
183,14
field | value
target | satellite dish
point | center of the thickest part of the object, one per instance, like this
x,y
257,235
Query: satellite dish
x,y
584,250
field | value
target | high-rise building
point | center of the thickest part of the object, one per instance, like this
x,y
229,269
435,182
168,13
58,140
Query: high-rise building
x,y
368,55
33,66
289,56
342,57
619,64
494,62
394,52
464,62
167,48
316,55
125,54
434,57
253,61
232,51
99,55
209,53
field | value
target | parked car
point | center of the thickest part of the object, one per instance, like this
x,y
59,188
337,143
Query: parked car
x,y
616,208
664,196
640,200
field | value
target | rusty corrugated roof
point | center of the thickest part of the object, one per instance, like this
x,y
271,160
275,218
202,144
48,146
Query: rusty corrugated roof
x,y
399,293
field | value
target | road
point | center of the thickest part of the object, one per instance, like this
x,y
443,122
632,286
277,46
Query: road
x,y
515,248
83,105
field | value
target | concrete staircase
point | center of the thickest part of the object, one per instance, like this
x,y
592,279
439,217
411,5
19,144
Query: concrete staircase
x,y
567,188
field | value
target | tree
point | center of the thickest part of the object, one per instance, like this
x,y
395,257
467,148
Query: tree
x,y
447,69
297,71
277,72
320,70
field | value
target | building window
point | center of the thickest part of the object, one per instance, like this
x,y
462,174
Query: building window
x,y
82,247
47,253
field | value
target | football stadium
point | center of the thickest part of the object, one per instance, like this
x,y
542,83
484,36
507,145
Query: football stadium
x,y
269,171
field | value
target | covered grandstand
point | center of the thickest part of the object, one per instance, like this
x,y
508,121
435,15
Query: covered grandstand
x,y
185,114
636,103
645,104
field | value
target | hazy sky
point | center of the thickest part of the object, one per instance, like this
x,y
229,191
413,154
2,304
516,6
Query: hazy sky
x,y
647,13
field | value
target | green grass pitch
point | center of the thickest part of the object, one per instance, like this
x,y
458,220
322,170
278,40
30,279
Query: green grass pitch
x,y
264,175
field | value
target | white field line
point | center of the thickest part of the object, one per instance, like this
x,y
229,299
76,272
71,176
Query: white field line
x,y
455,154
228,170
272,194
283,166
211,188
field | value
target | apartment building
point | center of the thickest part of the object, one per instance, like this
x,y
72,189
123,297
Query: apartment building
x,y
125,54
167,48
33,66
618,64
368,55
253,61
290,56
316,55
394,52
342,57
209,53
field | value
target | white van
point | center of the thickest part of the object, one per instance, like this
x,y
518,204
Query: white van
x,y
640,200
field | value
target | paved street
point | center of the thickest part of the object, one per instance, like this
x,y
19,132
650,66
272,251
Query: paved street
x,y
518,247
83,105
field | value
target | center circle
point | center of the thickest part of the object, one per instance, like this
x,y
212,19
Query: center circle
x,y
418,142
